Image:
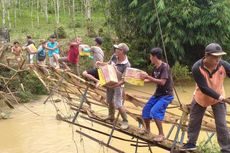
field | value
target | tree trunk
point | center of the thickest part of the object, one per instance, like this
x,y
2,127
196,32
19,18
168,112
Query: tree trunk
x,y
15,13
3,13
8,15
38,19
31,13
87,5
63,5
69,10
19,8
73,17
46,11
57,10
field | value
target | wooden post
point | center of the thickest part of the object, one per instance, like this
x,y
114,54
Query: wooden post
x,y
83,99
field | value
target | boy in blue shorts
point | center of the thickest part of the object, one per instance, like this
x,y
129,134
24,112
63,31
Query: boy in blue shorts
x,y
156,106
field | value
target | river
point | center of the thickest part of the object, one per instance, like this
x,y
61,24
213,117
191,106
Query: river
x,y
26,132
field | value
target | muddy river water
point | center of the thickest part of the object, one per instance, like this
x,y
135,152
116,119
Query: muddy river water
x,y
26,132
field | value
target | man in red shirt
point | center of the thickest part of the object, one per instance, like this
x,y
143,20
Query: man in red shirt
x,y
72,56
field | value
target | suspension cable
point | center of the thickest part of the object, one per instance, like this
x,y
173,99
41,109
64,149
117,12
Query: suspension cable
x,y
166,59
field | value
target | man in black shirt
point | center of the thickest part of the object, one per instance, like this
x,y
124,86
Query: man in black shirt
x,y
156,106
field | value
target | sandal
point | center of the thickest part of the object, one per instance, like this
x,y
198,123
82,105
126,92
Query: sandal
x,y
143,131
159,138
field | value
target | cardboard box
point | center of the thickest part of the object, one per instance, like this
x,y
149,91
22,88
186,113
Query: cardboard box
x,y
32,49
107,75
132,76
84,50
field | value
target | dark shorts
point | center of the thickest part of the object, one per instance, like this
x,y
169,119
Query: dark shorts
x,y
93,72
41,58
156,106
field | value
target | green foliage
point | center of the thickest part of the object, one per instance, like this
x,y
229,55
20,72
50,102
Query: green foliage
x,y
91,30
25,96
32,84
213,148
77,24
180,73
60,32
108,42
187,26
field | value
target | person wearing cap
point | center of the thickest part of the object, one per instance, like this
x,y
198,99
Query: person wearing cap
x,y
156,106
98,55
209,73
72,58
114,94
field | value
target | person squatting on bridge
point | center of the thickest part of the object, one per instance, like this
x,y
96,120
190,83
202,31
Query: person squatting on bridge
x,y
209,73
156,106
115,93
98,55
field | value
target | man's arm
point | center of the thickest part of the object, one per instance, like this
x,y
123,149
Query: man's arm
x,y
227,67
46,47
148,78
202,83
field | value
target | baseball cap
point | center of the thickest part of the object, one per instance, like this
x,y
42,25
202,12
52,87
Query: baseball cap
x,y
214,49
98,40
122,46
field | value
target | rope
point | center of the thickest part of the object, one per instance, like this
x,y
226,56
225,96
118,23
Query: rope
x,y
166,59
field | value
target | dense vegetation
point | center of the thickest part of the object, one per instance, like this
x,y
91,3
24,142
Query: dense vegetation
x,y
187,26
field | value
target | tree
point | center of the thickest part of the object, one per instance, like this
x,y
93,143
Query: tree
x,y
3,13
38,18
8,13
188,26
57,6
15,13
87,5
46,11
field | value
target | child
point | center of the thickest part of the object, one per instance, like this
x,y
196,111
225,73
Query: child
x,y
16,50
41,54
53,51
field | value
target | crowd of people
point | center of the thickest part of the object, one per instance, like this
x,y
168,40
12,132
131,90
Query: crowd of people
x,y
209,73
